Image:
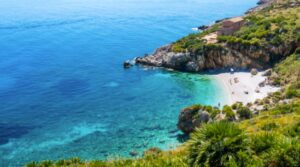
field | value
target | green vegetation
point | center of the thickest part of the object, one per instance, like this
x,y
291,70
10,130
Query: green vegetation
x,y
230,115
244,113
194,42
288,71
218,144
273,26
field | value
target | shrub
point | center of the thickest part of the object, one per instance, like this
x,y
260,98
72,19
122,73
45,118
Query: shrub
x,y
293,131
291,93
286,108
293,90
236,106
288,156
263,142
209,109
215,112
244,113
218,144
297,51
230,115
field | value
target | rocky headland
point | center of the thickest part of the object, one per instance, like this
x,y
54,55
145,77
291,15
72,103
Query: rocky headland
x,y
223,46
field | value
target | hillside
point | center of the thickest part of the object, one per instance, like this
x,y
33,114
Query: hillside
x,y
265,133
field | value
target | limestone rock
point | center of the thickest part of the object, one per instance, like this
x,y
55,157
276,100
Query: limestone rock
x,y
185,121
191,118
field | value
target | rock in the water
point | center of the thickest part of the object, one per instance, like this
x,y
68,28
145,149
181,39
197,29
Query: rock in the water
x,y
133,153
127,64
260,2
152,151
203,27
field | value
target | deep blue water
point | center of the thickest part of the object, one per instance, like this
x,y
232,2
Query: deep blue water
x,y
63,91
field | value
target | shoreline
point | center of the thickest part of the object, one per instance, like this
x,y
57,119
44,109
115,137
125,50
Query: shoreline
x,y
243,86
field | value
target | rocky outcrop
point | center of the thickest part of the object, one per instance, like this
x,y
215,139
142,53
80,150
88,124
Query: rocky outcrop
x,y
164,57
217,56
191,118
220,53
261,5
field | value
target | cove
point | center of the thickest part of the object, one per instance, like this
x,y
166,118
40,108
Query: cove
x,y
64,92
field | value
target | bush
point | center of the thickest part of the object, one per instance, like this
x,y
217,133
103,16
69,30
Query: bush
x,y
218,144
263,143
293,131
293,90
291,93
244,113
286,108
215,112
289,156
236,106
230,115
297,51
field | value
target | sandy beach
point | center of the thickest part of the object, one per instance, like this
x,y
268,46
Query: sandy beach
x,y
244,87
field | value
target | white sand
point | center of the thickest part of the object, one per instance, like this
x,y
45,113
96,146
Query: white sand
x,y
246,83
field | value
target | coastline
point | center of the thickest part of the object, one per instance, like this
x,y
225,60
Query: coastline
x,y
244,87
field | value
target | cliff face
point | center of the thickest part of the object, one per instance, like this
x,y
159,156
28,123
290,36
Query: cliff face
x,y
218,57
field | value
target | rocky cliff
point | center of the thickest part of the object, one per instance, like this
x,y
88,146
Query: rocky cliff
x,y
218,57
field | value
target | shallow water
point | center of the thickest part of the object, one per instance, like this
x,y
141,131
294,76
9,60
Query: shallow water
x,y
63,90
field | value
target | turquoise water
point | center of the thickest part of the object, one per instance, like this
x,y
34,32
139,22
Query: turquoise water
x,y
63,91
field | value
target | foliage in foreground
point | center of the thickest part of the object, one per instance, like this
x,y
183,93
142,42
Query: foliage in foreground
x,y
218,144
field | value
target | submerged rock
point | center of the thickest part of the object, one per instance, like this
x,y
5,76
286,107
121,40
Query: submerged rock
x,y
154,151
133,153
127,64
